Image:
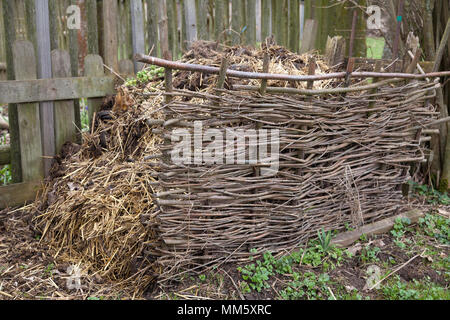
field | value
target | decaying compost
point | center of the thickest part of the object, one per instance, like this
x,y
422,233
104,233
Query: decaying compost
x,y
121,206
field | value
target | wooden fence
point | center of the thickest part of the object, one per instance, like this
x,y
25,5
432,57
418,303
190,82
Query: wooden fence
x,y
43,59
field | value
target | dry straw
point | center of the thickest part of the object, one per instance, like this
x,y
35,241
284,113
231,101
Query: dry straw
x,y
122,207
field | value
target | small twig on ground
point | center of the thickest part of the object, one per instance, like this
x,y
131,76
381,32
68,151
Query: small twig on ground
x,y
396,270
331,292
235,285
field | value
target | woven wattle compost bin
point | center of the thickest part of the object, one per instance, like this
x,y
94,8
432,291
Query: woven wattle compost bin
x,y
343,158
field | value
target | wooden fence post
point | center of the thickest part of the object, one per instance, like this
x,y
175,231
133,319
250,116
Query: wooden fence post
x,y
28,115
65,129
110,17
137,32
45,72
93,67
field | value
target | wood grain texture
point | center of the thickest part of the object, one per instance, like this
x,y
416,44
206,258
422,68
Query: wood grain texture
x,y
55,89
110,17
18,194
5,155
28,115
93,67
65,129
44,68
137,31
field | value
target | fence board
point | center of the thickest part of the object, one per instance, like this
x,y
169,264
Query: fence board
x,y
294,25
110,43
309,36
55,89
250,33
18,194
65,129
126,68
265,19
28,115
92,26
10,37
201,14
236,22
45,72
93,67
195,26
137,31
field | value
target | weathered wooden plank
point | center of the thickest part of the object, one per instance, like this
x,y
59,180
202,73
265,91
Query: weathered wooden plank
x,y
28,115
93,67
219,20
10,37
55,89
65,129
44,71
201,9
335,50
236,22
30,14
309,36
18,194
137,31
163,28
192,23
294,25
5,155
53,26
74,65
250,33
92,26
126,68
172,21
152,25
110,17
2,36
265,19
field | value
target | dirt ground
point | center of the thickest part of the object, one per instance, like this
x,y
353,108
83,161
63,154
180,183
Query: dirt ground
x,y
29,271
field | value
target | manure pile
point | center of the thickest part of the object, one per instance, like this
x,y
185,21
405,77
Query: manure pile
x,y
119,204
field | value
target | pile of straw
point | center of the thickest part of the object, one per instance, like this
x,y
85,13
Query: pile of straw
x,y
90,212
121,206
